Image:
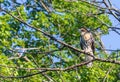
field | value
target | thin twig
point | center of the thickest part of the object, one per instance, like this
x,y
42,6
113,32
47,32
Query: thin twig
x,y
104,1
48,35
108,73
44,6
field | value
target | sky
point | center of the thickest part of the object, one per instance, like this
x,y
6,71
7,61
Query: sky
x,y
112,40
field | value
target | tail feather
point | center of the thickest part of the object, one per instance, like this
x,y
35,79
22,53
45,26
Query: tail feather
x,y
89,58
89,64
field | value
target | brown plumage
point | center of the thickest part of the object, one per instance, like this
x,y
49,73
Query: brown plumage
x,y
87,44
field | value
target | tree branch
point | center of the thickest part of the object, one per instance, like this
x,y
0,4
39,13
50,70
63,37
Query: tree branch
x,y
48,35
109,70
53,38
67,68
1,76
104,1
109,61
56,69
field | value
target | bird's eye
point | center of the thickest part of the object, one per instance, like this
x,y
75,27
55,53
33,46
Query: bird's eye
x,y
82,30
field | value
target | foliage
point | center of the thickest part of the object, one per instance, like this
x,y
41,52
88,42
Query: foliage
x,y
63,23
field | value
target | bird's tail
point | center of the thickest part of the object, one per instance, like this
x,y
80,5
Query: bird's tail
x,y
89,58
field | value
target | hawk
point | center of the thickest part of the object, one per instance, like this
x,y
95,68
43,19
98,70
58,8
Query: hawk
x,y
87,44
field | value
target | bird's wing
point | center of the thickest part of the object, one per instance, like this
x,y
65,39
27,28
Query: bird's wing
x,y
81,44
93,46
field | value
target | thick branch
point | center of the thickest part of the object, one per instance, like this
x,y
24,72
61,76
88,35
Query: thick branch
x,y
67,68
56,69
1,76
48,35
53,38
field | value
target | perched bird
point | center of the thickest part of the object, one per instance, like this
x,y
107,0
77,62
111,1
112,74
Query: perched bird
x,y
87,44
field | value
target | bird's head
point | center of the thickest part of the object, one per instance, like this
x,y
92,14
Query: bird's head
x,y
83,30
